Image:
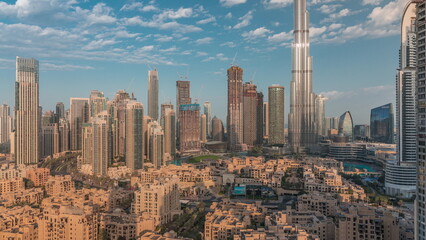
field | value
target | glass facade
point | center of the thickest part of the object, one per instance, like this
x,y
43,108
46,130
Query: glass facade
x,y
346,126
382,124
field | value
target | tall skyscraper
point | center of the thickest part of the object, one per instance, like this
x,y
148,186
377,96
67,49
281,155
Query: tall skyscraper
x,y
381,124
301,128
346,126
203,128
189,128
217,129
420,201
208,112
60,110
5,123
400,177
276,114
153,94
97,103
361,132
320,114
259,120
79,114
265,120
27,114
146,133
183,96
156,144
249,114
117,111
164,108
169,127
101,154
64,135
235,108
49,134
134,135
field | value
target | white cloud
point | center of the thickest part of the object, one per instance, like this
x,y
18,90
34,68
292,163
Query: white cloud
x,y
257,33
163,38
168,50
335,26
273,4
388,14
125,34
371,2
149,8
281,37
229,44
97,44
200,54
207,20
328,9
230,3
65,67
202,41
173,25
228,15
314,32
245,20
131,6
171,14
219,57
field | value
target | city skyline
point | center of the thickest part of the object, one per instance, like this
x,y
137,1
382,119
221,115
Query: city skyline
x,y
269,67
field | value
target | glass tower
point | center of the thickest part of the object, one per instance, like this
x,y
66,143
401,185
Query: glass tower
x,y
381,124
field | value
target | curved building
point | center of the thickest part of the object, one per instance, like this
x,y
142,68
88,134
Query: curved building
x,y
346,126
381,124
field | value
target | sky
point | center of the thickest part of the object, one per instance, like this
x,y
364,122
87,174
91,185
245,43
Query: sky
x,y
110,45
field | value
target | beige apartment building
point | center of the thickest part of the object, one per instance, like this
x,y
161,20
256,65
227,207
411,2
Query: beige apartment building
x,y
59,184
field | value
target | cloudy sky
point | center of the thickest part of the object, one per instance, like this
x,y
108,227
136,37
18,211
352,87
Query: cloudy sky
x,y
110,45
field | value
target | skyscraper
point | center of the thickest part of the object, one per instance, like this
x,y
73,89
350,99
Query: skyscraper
x,y
400,177
169,127
259,120
249,114
102,154
361,132
117,111
235,108
79,114
381,124
134,135
189,128
156,144
217,129
346,126
265,120
153,94
5,123
183,96
420,201
301,128
203,128
97,103
27,113
49,134
60,110
64,135
276,114
208,112
320,114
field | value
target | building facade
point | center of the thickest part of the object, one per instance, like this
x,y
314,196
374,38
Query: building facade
x,y
134,135
346,126
249,114
79,115
189,128
276,114
5,123
382,124
235,108
153,94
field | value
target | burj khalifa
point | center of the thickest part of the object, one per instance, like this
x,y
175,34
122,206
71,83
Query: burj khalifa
x,y
302,126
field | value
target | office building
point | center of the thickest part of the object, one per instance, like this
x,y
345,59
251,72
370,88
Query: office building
x,y
276,115
97,103
60,110
49,135
217,129
153,94
400,176
265,120
183,96
5,123
235,109
249,114
156,144
381,124
320,114
346,126
203,128
361,132
301,126
79,115
169,127
134,135
208,112
27,112
117,110
64,135
259,120
189,128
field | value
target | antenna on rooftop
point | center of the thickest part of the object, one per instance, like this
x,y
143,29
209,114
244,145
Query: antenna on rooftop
x,y
252,78
233,60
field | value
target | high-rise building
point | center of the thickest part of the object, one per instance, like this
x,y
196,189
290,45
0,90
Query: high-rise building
x,y
208,112
346,126
5,123
146,133
320,114
259,120
420,201
276,114
101,137
400,177
134,135
361,132
60,110
217,129
265,120
153,94
117,110
64,134
249,114
169,127
203,128
49,134
27,113
235,108
97,103
301,128
381,124
79,114
183,96
164,107
189,128
156,144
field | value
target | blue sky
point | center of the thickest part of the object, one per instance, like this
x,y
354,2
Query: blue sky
x,y
110,45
